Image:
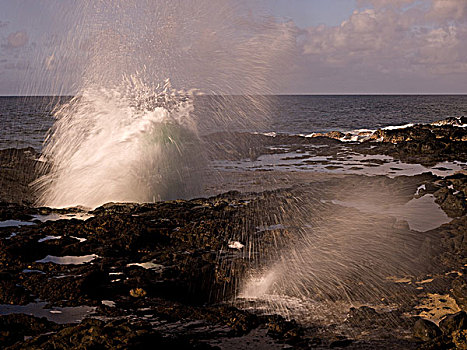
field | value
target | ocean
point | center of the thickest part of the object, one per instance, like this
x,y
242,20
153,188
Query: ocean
x,y
25,120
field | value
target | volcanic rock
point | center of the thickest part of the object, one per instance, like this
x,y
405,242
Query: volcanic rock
x,y
459,291
426,330
454,322
15,327
18,168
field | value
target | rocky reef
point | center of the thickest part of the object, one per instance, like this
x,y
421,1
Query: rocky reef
x,y
423,144
131,276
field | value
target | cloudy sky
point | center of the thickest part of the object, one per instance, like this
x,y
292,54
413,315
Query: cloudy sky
x,y
342,46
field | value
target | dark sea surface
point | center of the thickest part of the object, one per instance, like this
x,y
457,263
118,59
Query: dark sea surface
x,y
307,114
25,120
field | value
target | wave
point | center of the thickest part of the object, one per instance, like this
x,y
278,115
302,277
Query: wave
x,y
360,135
140,145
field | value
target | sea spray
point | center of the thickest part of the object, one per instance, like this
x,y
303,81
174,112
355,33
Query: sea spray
x,y
110,146
129,134
313,259
156,76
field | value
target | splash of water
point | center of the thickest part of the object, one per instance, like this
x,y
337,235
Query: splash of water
x,y
129,134
327,258
108,145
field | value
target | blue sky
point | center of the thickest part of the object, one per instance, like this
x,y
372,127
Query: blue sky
x,y
303,12
342,46
312,12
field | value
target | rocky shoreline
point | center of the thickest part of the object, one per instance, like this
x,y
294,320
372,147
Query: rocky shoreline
x,y
422,144
171,273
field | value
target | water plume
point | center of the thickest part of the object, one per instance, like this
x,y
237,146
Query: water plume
x,y
131,133
108,145
327,257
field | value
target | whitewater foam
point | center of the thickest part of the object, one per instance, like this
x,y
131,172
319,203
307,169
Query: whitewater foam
x,y
128,135
107,146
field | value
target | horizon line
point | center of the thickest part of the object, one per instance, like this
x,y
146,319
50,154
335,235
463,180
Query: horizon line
x,y
291,94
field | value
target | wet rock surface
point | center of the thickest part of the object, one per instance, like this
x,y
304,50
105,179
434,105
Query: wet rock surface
x,y
171,273
15,327
162,273
451,333
426,330
18,168
421,144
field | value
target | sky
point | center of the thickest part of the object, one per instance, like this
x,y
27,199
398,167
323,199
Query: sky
x,y
340,46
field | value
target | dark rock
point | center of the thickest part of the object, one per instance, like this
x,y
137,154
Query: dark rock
x,y
341,343
12,293
459,291
454,205
285,330
455,247
459,338
335,135
455,121
96,334
194,272
15,327
422,144
363,314
439,343
452,323
18,168
426,330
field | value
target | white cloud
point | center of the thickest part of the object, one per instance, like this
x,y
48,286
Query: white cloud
x,y
396,36
448,10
